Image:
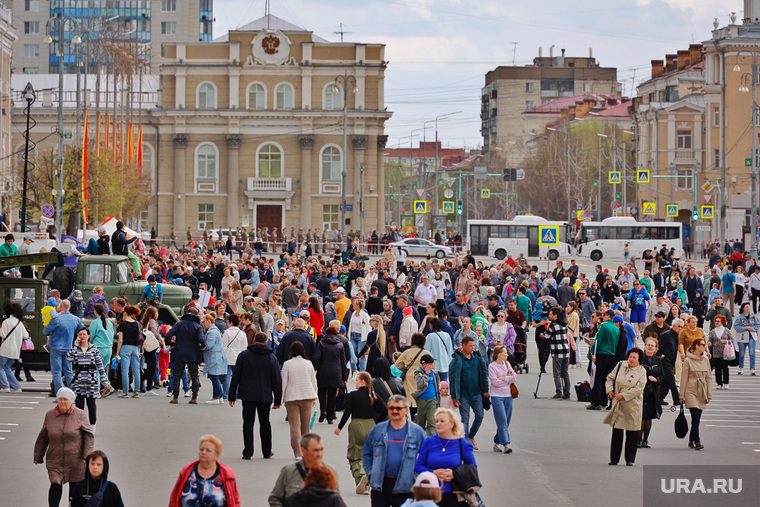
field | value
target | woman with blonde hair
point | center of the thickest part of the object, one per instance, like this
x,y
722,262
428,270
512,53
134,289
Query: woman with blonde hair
x,y
686,337
236,297
444,451
206,481
376,346
695,391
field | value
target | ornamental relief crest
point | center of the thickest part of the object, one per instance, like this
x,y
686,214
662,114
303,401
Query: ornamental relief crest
x,y
270,47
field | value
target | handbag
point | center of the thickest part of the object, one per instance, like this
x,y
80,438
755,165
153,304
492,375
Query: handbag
x,y
515,392
27,345
681,425
140,336
729,352
403,375
465,475
151,343
340,400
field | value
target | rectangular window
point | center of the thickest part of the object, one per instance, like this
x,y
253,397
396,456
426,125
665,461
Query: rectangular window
x,y
586,87
671,94
683,139
205,216
168,28
168,5
32,5
98,273
31,27
31,50
330,216
144,220
31,70
716,158
716,116
528,87
685,179
205,5
528,104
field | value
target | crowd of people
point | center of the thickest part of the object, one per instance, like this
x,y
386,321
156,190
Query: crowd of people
x,y
430,345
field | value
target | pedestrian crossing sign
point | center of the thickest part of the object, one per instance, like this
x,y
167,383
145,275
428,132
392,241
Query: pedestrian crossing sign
x,y
672,210
642,176
614,177
649,208
420,206
548,235
485,193
707,212
448,207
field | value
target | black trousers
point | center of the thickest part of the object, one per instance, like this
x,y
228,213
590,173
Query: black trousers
x,y
755,297
696,416
54,494
250,408
386,497
92,410
721,370
327,397
544,350
192,368
604,365
616,446
669,385
150,369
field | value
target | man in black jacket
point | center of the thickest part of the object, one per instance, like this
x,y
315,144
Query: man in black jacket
x,y
668,347
297,334
256,381
186,339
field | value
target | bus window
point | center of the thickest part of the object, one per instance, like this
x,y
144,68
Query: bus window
x,y
674,232
519,232
500,231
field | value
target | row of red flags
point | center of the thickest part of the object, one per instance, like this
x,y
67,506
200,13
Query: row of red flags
x,y
131,151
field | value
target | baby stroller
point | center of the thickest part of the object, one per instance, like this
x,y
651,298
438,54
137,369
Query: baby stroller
x,y
519,356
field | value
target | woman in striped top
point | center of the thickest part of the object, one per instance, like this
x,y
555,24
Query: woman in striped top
x,y
86,364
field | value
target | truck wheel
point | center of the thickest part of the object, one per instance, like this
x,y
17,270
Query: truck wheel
x,y
596,255
500,254
553,255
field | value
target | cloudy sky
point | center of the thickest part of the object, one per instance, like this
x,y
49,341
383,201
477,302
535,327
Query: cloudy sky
x,y
440,50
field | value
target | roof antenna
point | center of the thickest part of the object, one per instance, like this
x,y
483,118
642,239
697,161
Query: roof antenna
x,y
341,32
266,13
514,52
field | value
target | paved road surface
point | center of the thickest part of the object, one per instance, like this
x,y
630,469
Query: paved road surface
x,y
560,449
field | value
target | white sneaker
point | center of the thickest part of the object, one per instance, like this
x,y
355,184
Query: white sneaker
x,y
507,449
498,448
739,372
213,402
752,372
16,390
188,394
151,393
5,390
94,427
725,386
474,444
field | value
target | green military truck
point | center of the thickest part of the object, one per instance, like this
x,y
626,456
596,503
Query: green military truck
x,y
112,272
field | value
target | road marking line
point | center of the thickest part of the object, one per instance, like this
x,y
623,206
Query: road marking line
x,y
730,426
729,420
8,424
751,443
22,408
734,410
21,397
24,402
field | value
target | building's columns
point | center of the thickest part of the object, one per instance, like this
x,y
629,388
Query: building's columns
x,y
180,146
380,188
307,145
233,177
353,182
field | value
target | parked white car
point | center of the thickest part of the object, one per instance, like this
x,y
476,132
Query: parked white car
x,y
421,247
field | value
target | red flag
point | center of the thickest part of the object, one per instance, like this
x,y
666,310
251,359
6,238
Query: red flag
x,y
85,163
139,151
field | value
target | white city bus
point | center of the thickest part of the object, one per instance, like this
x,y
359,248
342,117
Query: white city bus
x,y
499,238
607,239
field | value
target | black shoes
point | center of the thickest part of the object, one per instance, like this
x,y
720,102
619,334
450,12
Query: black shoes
x,y
565,396
645,445
247,458
267,456
591,406
322,417
612,463
556,397
629,463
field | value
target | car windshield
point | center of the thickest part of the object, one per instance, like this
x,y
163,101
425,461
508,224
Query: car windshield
x,y
122,272
25,296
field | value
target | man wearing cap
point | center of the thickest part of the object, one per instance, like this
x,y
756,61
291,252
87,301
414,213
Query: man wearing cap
x,y
603,356
61,330
428,393
493,305
298,333
23,249
659,305
257,317
75,299
656,328
342,303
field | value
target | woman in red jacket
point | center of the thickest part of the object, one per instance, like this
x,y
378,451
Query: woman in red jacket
x,y
316,316
206,481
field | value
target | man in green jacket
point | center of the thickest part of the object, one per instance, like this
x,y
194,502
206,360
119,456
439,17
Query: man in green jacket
x,y
717,309
603,356
468,382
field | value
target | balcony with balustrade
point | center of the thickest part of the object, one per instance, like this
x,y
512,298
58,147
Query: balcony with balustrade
x,y
269,189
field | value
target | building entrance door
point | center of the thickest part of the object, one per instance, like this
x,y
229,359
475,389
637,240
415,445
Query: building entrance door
x,y
269,215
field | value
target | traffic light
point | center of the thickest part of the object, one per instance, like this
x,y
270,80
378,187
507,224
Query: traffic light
x,y
510,174
695,214
459,207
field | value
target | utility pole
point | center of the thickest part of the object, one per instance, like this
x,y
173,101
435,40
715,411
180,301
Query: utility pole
x,y
361,201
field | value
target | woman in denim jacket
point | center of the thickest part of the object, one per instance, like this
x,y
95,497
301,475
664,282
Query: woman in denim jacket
x,y
746,326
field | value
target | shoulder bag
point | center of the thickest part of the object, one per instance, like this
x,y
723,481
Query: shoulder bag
x,y
406,370
96,500
2,340
681,424
465,475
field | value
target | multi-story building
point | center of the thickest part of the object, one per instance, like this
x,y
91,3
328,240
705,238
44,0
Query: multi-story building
x,y
147,24
250,131
8,36
511,90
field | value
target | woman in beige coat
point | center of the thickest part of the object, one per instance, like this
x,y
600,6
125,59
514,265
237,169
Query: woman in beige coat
x,y
409,362
696,387
64,441
625,387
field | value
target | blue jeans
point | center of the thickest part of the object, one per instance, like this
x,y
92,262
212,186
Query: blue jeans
x,y
356,343
752,345
227,379
216,385
185,383
130,358
476,402
58,365
7,378
502,412
105,355
443,376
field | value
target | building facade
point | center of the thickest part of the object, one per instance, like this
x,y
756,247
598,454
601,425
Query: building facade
x,y
250,131
146,23
509,91
8,36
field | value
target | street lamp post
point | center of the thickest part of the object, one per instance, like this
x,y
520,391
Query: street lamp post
x,y
30,97
599,179
345,78
60,22
567,154
751,79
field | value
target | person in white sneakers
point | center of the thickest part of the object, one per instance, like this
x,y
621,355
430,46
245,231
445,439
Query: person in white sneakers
x,y
746,325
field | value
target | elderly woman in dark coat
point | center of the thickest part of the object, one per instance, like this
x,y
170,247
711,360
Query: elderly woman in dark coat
x,y
64,441
330,362
652,363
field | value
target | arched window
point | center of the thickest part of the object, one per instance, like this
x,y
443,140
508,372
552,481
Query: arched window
x,y
206,96
206,161
269,161
333,97
257,96
331,163
284,96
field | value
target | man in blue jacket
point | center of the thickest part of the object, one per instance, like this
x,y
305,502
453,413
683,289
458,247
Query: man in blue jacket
x,y
468,383
187,339
61,331
389,455
256,381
